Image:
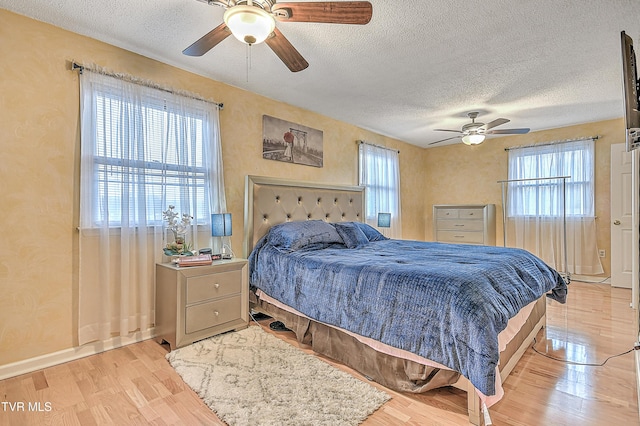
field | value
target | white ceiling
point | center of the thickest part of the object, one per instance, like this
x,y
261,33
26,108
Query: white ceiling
x,y
418,65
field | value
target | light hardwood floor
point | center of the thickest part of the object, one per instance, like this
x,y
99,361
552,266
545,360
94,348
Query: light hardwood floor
x,y
135,385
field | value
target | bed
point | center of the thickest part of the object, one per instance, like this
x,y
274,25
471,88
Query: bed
x,y
412,316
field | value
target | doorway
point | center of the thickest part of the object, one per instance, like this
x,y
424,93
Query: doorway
x,y
621,217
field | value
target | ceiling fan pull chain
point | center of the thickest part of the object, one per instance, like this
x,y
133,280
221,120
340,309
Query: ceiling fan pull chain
x,y
248,60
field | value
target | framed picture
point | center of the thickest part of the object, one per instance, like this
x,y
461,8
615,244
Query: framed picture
x,y
291,142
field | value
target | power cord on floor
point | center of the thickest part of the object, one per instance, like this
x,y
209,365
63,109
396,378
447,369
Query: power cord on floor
x,y
258,316
636,347
593,282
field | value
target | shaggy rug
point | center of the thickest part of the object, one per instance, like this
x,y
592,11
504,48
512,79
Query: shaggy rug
x,y
250,377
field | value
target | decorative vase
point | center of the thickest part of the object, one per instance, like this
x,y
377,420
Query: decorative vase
x,y
179,245
179,238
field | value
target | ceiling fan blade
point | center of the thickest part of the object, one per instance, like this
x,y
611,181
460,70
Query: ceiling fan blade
x,y
495,123
447,130
208,41
286,52
442,140
331,12
508,131
223,3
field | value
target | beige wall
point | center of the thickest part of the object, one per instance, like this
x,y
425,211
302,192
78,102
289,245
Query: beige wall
x,y
39,160
457,174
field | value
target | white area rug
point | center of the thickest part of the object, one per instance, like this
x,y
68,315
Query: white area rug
x,y
250,377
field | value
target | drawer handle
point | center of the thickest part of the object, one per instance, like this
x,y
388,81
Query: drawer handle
x,y
216,285
459,225
458,236
216,313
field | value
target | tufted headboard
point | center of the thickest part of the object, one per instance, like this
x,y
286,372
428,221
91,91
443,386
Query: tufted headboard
x,y
270,201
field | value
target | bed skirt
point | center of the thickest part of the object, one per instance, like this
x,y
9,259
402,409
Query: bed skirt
x,y
390,371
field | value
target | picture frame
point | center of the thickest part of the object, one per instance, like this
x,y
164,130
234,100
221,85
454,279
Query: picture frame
x,y
291,143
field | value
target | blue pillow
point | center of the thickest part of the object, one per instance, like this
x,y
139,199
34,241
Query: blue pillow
x,y
291,236
351,234
371,233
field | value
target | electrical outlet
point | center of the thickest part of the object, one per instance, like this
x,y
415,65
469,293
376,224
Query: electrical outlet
x,y
602,253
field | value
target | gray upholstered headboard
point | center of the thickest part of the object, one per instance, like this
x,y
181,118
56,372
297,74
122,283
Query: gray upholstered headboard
x,y
270,201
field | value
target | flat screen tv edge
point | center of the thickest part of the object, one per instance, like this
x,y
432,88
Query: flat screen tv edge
x,y
631,89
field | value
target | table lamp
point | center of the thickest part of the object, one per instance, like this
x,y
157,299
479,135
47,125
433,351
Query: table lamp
x,y
221,228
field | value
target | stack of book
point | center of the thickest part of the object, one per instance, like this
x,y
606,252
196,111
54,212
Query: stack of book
x,y
198,260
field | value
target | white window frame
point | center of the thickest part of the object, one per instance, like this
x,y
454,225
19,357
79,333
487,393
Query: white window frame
x,y
379,173
161,170
531,180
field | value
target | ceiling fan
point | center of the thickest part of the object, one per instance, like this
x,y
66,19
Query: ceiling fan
x,y
253,22
474,133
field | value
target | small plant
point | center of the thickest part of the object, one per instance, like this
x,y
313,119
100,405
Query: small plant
x,y
179,245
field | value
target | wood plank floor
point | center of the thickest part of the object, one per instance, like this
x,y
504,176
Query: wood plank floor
x,y
135,384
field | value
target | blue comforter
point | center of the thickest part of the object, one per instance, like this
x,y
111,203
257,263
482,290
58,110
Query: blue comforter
x,y
445,302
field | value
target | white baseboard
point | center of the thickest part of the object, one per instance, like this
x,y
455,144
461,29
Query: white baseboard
x,y
71,354
638,376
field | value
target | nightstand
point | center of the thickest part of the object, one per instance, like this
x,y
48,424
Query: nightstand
x,y
196,302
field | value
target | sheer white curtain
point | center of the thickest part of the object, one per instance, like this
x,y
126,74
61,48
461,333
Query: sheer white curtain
x,y
142,149
380,174
537,202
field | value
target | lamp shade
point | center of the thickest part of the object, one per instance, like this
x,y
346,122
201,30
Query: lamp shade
x,y
221,225
384,220
249,24
473,139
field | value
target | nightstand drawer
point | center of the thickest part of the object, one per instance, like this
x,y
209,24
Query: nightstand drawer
x,y
212,314
212,286
460,225
460,237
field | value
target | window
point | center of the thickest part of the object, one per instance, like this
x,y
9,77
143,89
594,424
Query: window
x,y
149,151
553,222
142,149
535,193
380,174
163,168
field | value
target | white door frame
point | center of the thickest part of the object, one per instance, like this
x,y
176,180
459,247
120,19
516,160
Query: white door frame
x,y
635,220
621,227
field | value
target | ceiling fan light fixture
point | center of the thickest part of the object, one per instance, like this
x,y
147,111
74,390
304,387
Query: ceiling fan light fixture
x,y
249,24
473,139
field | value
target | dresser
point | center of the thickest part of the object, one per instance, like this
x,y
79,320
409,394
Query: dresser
x,y
193,303
465,223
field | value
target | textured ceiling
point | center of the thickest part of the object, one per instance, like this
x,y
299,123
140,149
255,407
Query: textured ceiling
x,y
418,65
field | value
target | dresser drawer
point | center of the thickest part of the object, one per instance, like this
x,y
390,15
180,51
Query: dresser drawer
x,y
212,314
460,225
470,213
211,286
447,213
461,237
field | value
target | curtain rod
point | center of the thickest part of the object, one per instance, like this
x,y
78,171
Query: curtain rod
x,y
359,142
553,142
136,80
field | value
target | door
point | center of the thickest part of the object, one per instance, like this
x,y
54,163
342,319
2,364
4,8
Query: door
x,y
621,212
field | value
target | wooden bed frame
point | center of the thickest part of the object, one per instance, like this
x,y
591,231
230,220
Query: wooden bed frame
x,y
270,201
